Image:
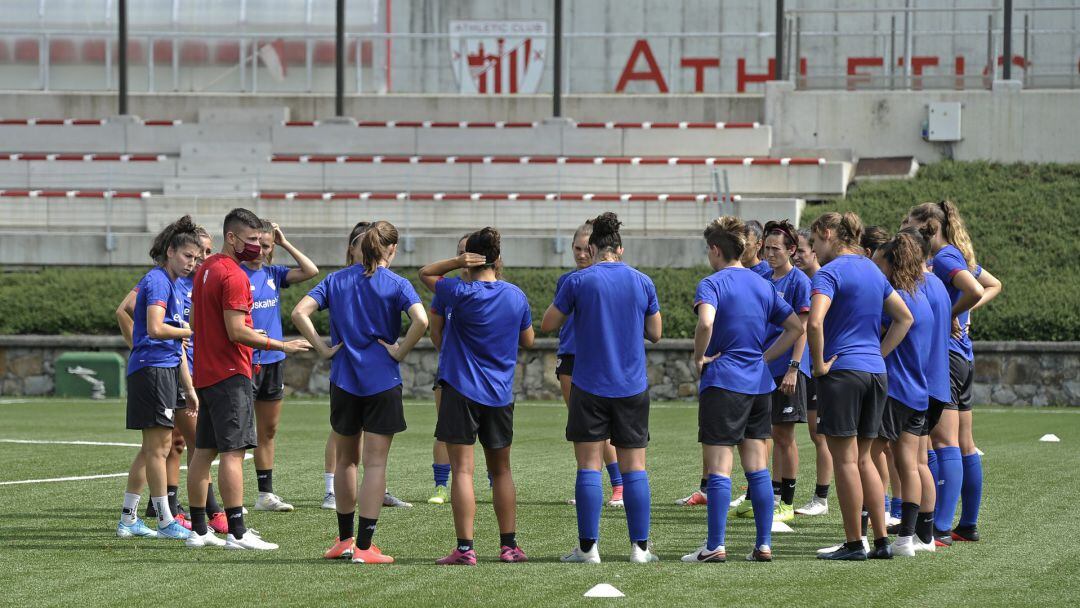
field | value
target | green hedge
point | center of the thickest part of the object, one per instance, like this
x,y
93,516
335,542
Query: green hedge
x,y
1020,217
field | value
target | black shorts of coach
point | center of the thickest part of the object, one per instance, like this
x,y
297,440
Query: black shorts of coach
x,y
268,381
564,365
462,421
151,397
851,403
226,416
789,408
727,417
961,377
382,413
899,418
811,396
623,420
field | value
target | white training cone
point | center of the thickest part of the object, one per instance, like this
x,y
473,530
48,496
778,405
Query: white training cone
x,y
980,452
779,526
604,590
1050,438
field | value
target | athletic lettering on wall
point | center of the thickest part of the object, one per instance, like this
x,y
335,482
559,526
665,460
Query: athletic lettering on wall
x,y
498,57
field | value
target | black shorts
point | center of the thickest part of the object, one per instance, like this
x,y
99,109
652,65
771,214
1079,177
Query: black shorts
x,y
623,420
226,416
961,376
899,418
151,397
181,398
564,365
933,413
461,421
851,403
789,408
726,417
268,381
435,385
811,394
381,413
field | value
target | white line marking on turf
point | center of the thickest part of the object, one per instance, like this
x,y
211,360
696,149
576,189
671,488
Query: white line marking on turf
x,y
47,442
13,401
247,456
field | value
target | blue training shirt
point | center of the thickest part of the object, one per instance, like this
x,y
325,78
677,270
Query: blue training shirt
x,y
480,344
937,360
364,310
946,264
763,269
155,289
184,287
745,306
906,364
609,302
858,291
266,285
567,338
794,288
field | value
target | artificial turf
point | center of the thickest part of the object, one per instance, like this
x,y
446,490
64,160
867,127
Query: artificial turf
x,y
58,544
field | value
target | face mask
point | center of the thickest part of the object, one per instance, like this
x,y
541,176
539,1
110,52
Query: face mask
x,y
249,253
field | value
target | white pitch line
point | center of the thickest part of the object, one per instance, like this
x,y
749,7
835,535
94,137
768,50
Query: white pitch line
x,y
247,456
46,442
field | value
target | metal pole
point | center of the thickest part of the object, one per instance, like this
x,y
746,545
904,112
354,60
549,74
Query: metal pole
x,y
339,61
892,52
779,39
556,93
1027,50
991,66
907,44
122,57
1007,34
798,53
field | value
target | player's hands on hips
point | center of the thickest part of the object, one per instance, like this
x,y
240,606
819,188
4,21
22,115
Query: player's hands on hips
x,y
825,367
394,349
700,364
327,352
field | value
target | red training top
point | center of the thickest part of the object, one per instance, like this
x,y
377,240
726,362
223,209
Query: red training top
x,y
220,284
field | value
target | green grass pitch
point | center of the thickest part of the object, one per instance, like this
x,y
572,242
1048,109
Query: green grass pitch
x,y
58,546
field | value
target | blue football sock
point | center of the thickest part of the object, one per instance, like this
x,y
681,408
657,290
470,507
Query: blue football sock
x,y
951,470
589,498
719,493
888,509
971,490
442,473
932,464
636,497
761,497
614,475
896,507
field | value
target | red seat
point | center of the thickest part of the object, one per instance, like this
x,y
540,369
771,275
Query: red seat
x,y
163,51
194,52
62,50
227,51
26,50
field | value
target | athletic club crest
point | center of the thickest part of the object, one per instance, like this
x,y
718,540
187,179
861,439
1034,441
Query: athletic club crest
x,y
498,57
270,284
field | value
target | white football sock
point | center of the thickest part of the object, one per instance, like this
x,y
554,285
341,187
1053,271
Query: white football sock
x,y
328,479
130,512
164,515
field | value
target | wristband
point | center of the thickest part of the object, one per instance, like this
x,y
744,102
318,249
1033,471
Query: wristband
x,y
267,343
793,364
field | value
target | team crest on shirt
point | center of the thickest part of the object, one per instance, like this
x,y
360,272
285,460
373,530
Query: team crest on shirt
x,y
270,284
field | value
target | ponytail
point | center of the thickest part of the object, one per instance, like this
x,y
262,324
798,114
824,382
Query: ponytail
x,y
955,232
872,238
605,232
847,227
487,242
904,253
177,234
375,244
359,229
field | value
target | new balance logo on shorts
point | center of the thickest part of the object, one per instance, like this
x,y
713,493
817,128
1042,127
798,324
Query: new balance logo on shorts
x,y
789,409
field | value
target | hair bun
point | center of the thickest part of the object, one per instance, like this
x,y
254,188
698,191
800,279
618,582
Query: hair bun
x,y
606,223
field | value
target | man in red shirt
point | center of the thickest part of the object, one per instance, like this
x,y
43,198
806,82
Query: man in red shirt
x,y
221,318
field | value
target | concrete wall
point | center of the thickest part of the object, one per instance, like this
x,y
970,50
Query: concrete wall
x,y
510,108
1004,125
1006,373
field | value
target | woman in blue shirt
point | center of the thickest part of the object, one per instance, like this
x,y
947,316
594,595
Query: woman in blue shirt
x,y
791,371
153,376
564,368
904,420
365,302
731,358
848,295
488,320
751,257
613,307
268,373
969,287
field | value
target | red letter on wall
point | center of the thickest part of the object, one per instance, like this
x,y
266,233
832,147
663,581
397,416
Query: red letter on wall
x,y
854,63
742,78
698,64
917,65
641,48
